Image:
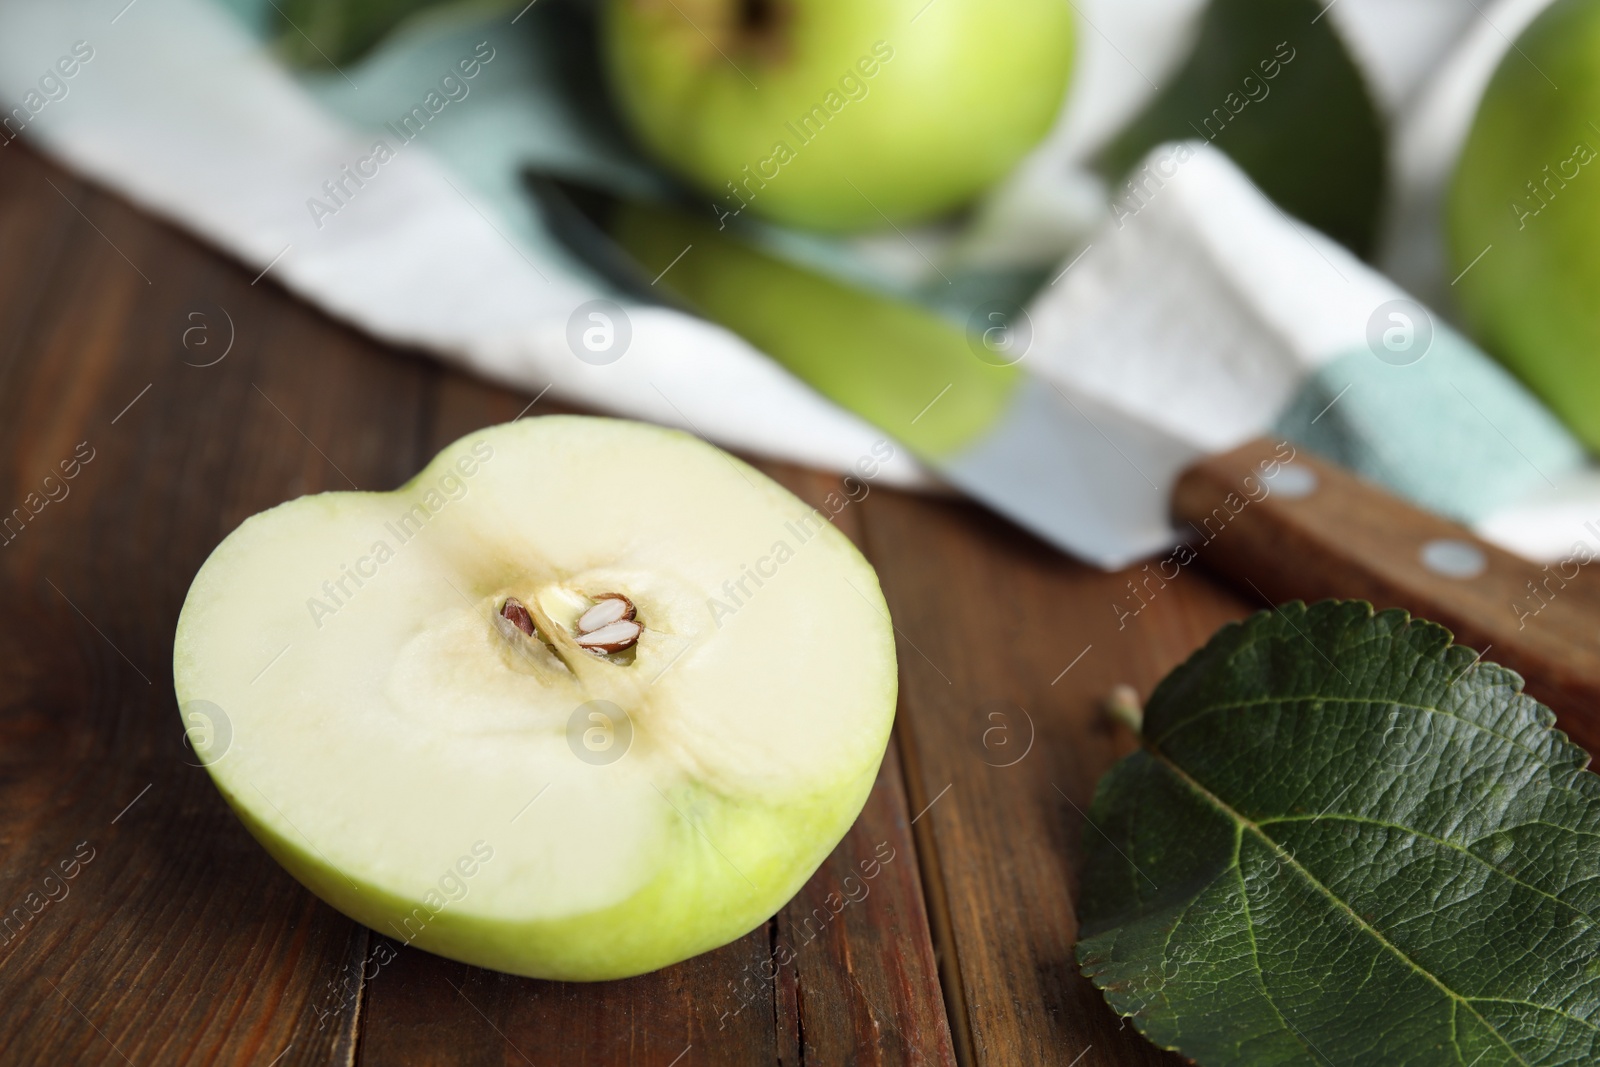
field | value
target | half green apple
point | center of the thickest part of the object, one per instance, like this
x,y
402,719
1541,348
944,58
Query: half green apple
x,y
584,698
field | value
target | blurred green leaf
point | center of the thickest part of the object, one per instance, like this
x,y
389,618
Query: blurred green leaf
x,y
329,33
1304,128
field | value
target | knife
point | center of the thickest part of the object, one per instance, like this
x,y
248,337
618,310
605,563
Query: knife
x,y
1094,480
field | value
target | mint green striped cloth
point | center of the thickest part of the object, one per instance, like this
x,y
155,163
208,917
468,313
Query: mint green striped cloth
x,y
1452,432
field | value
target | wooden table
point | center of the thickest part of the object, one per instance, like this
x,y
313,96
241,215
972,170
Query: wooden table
x,y
179,941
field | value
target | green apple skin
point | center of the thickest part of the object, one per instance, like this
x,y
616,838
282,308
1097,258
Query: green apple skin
x,y
954,99
686,911
755,745
1533,299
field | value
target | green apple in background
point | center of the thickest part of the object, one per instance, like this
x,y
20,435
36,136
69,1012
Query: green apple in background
x,y
584,698
839,114
1526,199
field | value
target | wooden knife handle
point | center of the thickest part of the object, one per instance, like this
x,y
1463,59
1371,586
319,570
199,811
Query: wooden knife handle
x,y
1306,529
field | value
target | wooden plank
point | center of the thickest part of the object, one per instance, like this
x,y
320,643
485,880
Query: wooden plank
x,y
33,234
1006,650
176,939
844,974
853,952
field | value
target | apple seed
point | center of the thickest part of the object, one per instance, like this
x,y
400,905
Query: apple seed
x,y
607,609
613,637
514,612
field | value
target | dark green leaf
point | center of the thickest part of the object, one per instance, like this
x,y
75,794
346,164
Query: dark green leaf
x,y
1308,135
1347,841
331,33
327,33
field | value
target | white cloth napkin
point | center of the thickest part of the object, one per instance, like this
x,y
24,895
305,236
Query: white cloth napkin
x,y
184,113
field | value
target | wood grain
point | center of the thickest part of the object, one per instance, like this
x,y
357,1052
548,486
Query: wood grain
x,y
1005,655
180,942
1350,538
177,941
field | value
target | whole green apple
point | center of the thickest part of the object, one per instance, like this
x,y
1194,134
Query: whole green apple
x,y
839,114
584,698
1526,199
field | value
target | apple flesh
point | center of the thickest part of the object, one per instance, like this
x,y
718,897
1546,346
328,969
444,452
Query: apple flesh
x,y
839,114
1524,215
403,748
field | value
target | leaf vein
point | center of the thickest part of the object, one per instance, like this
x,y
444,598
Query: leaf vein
x,y
1311,880
1255,958
1539,1007
1447,843
1245,705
